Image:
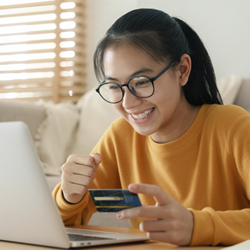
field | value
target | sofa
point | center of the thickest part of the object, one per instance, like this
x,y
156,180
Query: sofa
x,y
59,130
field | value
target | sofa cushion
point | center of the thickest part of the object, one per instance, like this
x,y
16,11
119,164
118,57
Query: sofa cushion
x,y
229,88
54,136
95,117
243,96
33,115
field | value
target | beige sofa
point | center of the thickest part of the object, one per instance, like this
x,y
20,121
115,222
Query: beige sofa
x,y
62,129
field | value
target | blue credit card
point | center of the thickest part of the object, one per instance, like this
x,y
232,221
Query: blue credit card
x,y
114,200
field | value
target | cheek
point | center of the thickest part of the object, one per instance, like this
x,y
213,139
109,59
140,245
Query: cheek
x,y
169,86
167,96
165,93
119,108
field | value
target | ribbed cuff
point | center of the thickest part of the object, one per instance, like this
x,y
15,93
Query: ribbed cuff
x,y
65,207
203,232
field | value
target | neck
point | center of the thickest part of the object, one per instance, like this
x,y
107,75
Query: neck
x,y
179,124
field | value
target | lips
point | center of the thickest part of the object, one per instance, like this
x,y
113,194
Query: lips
x,y
142,115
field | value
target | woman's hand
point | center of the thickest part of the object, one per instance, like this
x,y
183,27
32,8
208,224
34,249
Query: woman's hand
x,y
78,174
173,223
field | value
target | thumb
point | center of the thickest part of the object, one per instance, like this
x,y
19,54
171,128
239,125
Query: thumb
x,y
97,158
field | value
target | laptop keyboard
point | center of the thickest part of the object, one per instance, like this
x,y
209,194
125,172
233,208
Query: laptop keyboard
x,y
78,237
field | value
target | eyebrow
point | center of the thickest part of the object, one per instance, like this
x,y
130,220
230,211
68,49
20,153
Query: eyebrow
x,y
136,73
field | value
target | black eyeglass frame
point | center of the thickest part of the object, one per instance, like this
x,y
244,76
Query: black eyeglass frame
x,y
152,79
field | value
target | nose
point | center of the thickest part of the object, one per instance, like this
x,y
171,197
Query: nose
x,y
129,100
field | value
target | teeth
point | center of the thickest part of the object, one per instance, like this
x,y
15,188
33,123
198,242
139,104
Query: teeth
x,y
143,115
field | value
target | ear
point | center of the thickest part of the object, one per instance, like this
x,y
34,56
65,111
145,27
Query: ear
x,y
184,69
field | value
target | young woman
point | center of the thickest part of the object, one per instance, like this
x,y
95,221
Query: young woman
x,y
176,145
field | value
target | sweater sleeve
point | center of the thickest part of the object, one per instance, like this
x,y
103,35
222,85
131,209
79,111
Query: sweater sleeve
x,y
229,227
73,214
220,227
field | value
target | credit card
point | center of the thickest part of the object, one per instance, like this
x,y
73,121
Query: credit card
x,y
114,200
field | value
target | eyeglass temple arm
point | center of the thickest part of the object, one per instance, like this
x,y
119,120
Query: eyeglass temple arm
x,y
162,72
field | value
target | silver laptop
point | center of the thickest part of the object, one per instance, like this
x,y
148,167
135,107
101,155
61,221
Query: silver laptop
x,y
28,213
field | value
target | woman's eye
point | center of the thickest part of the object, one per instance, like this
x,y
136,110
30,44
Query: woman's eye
x,y
113,87
142,82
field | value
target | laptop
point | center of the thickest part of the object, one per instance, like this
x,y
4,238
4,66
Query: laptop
x,y
28,213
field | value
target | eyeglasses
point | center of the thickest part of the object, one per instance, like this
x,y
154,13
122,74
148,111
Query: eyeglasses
x,y
140,86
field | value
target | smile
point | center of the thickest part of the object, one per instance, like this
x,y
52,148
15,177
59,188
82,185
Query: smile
x,y
142,115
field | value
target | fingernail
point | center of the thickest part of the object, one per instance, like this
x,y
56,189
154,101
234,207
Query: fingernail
x,y
141,227
133,187
119,215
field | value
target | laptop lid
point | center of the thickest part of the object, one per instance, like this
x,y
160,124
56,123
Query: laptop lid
x,y
28,211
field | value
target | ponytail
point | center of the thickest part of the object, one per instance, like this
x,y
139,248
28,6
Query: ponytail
x,y
201,87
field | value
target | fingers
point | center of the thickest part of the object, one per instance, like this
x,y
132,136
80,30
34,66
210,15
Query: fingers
x,y
168,220
169,237
171,228
170,232
84,160
157,211
78,174
159,195
97,158
148,212
157,226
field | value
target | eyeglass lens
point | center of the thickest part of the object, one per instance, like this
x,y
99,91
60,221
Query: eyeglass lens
x,y
138,86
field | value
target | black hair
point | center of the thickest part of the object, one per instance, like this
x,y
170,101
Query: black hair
x,y
164,39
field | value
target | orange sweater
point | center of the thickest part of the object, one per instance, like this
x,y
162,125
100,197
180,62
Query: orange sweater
x,y
207,170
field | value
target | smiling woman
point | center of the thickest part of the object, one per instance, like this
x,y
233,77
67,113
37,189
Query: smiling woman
x,y
42,44
184,153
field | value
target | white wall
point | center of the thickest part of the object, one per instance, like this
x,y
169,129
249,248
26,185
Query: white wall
x,y
223,25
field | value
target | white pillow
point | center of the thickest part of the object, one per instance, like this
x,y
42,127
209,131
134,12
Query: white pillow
x,y
55,134
95,117
229,88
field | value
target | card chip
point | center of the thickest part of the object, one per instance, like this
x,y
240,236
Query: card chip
x,y
109,198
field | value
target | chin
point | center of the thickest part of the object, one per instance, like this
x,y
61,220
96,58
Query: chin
x,y
140,129
143,131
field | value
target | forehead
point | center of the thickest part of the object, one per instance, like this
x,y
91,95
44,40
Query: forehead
x,y
124,60
125,52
